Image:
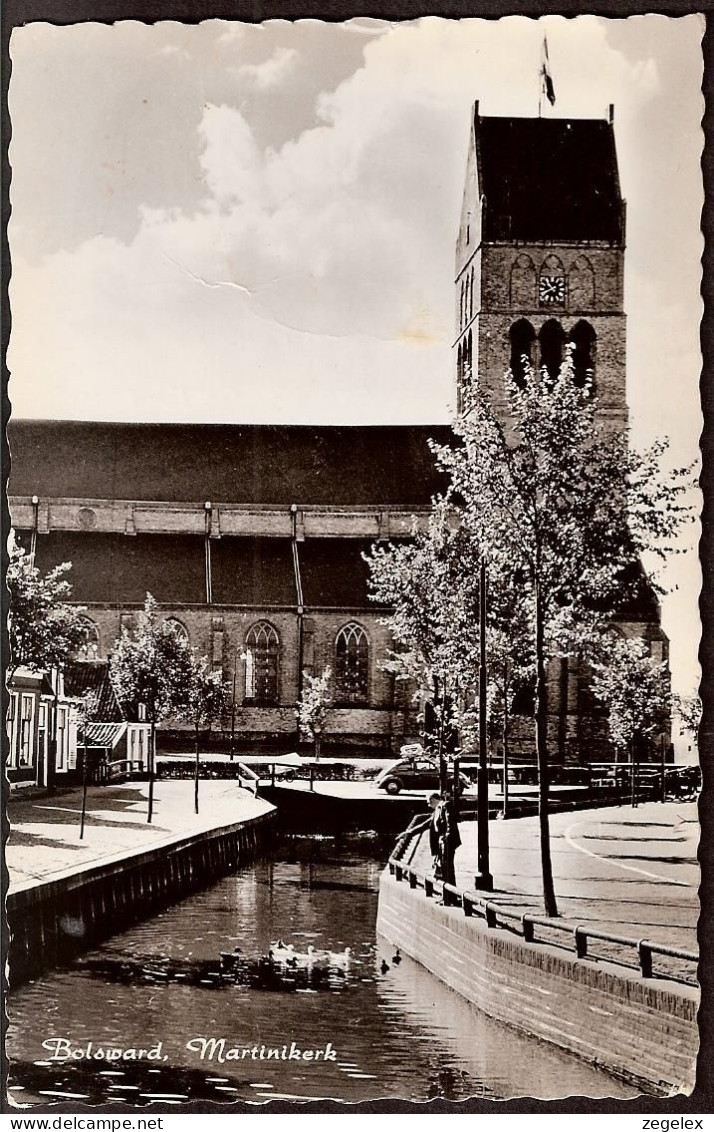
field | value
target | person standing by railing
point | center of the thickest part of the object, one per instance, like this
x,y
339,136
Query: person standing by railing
x,y
444,837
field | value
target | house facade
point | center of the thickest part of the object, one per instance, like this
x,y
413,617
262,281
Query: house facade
x,y
41,719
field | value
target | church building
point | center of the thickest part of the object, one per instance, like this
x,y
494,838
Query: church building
x,y
251,537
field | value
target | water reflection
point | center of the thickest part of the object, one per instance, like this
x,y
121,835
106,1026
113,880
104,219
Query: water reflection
x,y
390,1029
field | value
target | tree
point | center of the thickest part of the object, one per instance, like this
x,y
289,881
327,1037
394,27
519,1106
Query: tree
x,y
87,710
314,706
689,710
43,628
203,700
150,668
431,588
548,496
636,691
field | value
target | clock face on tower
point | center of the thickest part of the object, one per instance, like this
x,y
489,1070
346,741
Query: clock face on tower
x,y
551,289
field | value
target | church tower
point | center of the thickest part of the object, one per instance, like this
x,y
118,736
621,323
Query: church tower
x,y
540,256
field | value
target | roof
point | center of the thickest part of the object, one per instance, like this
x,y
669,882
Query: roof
x,y
112,568
83,677
334,574
549,179
242,464
102,734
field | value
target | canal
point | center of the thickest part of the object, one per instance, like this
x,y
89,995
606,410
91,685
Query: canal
x,y
384,1029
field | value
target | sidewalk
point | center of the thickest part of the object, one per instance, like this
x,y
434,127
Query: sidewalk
x,y
631,872
44,831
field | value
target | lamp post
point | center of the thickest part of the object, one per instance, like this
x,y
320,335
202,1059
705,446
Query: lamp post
x,y
484,880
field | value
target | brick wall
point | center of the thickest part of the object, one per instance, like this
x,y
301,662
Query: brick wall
x,y
640,1029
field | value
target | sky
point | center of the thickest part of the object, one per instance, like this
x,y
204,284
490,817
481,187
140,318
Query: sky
x,y
256,223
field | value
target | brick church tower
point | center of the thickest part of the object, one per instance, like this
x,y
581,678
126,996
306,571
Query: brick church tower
x,y
540,255
540,264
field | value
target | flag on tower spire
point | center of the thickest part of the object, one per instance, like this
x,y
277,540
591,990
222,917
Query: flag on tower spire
x,y
546,78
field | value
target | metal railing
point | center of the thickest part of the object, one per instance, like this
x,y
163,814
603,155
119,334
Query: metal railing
x,y
572,938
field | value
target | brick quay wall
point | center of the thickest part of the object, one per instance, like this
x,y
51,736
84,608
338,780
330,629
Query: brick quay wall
x,y
642,1030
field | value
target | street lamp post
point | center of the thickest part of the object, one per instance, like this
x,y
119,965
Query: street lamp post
x,y
484,880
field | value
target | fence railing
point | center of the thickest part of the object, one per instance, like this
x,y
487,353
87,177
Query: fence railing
x,y
572,938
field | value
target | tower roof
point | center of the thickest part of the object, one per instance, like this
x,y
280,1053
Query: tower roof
x,y
548,179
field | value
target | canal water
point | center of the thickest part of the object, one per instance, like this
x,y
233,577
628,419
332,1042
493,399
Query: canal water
x,y
383,1029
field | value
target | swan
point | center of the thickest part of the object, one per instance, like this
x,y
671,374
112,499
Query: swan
x,y
281,952
340,958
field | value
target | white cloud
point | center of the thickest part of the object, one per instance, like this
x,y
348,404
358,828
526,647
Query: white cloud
x,y
272,71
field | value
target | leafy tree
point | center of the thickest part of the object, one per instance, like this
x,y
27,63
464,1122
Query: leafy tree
x,y
43,628
432,590
551,498
689,710
432,587
204,699
634,688
314,706
151,666
87,710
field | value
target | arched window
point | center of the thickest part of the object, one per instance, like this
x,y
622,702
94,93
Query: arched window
x,y
471,295
262,649
88,648
581,285
583,337
351,664
461,306
551,346
178,628
522,337
523,283
466,300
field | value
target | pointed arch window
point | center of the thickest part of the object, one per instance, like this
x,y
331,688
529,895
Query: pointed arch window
x,y
583,338
178,628
88,647
522,337
551,339
581,285
523,283
352,664
262,654
471,295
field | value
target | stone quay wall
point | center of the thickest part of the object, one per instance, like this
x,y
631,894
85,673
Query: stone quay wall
x,y
51,921
642,1030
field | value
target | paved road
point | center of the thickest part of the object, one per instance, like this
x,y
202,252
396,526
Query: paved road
x,y
44,834
632,872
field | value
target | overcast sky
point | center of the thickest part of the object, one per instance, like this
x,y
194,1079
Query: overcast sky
x,y
256,223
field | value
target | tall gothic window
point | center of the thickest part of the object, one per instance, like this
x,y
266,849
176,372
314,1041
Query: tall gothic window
x,y
88,648
471,295
522,337
583,337
551,346
523,283
351,664
262,651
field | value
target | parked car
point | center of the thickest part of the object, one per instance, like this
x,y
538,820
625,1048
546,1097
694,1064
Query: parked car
x,y
415,772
